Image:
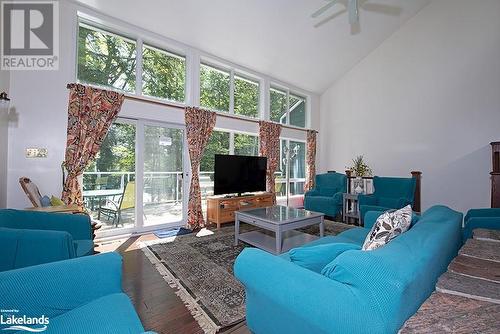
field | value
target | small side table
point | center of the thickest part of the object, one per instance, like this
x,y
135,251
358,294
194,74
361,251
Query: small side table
x,y
350,208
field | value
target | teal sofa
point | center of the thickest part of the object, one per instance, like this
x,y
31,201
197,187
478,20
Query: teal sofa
x,y
78,296
366,291
390,193
28,238
481,218
326,197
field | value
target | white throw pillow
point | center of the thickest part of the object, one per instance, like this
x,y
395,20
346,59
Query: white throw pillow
x,y
389,225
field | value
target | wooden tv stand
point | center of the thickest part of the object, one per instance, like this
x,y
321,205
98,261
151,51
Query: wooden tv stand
x,y
220,209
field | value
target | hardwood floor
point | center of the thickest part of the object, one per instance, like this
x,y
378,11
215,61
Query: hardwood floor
x,y
156,303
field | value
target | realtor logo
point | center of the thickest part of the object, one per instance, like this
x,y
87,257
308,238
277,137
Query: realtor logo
x,y
30,35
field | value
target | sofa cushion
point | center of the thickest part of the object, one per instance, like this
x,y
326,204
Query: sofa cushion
x,y
390,202
109,314
356,235
316,257
83,247
389,225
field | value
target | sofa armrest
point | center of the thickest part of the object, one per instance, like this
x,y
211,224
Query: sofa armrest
x,y
23,248
312,192
54,288
367,200
492,223
486,212
282,296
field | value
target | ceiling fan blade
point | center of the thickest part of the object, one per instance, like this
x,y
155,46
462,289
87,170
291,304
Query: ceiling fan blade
x,y
331,17
381,8
352,6
324,8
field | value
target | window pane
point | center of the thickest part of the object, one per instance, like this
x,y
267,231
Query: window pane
x,y
106,59
246,97
108,182
297,111
278,105
246,144
214,88
164,74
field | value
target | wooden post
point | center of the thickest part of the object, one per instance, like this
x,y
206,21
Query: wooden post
x,y
417,204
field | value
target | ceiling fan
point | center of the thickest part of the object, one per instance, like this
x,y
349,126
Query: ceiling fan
x,y
352,7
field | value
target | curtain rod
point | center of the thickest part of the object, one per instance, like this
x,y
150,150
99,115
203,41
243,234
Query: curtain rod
x,y
172,105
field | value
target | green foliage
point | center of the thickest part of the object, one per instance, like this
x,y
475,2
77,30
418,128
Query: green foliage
x,y
246,144
217,144
163,75
106,59
214,88
246,97
278,105
359,167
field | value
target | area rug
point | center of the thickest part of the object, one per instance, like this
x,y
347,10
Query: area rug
x,y
200,269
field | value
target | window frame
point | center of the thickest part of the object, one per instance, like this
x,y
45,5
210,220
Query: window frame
x,y
289,92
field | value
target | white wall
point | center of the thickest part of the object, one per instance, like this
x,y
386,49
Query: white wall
x,y
427,99
4,139
40,99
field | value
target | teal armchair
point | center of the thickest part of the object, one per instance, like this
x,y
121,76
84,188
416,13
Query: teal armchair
x,y
390,193
29,238
480,218
326,197
78,296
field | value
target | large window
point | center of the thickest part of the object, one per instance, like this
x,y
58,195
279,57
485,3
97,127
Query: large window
x,y
214,88
287,108
106,59
163,74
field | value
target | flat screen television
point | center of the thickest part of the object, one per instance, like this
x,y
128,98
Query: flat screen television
x,y
237,174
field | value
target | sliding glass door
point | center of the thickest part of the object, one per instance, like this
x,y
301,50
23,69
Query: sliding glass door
x,y
137,180
291,173
163,191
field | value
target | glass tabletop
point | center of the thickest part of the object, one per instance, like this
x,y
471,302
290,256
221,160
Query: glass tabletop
x,y
280,214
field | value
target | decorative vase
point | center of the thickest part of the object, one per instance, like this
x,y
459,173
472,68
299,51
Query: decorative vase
x,y
358,185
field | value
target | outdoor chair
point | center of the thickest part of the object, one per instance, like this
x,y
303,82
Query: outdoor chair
x,y
113,209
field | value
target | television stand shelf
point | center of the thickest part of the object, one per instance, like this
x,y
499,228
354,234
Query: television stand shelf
x,y
220,209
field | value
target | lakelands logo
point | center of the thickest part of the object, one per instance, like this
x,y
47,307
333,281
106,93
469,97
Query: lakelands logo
x,y
30,35
10,320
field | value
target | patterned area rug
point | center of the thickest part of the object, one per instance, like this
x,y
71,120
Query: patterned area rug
x,y
201,270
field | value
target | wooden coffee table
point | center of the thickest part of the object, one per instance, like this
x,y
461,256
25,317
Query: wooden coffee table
x,y
279,225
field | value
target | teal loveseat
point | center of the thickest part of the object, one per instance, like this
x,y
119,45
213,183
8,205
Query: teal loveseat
x,y
28,238
365,292
481,218
326,197
390,193
78,296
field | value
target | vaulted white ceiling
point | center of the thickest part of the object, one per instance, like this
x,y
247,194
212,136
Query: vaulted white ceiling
x,y
275,37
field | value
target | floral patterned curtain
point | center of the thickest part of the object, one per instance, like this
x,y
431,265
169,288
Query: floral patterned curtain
x,y
310,160
91,111
269,134
199,126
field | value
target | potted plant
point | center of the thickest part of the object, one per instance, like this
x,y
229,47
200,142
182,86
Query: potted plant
x,y
359,169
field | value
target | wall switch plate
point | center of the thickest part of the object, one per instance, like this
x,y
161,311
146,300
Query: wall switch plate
x,y
36,152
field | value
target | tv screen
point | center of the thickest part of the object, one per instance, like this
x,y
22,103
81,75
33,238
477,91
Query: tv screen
x,y
236,174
